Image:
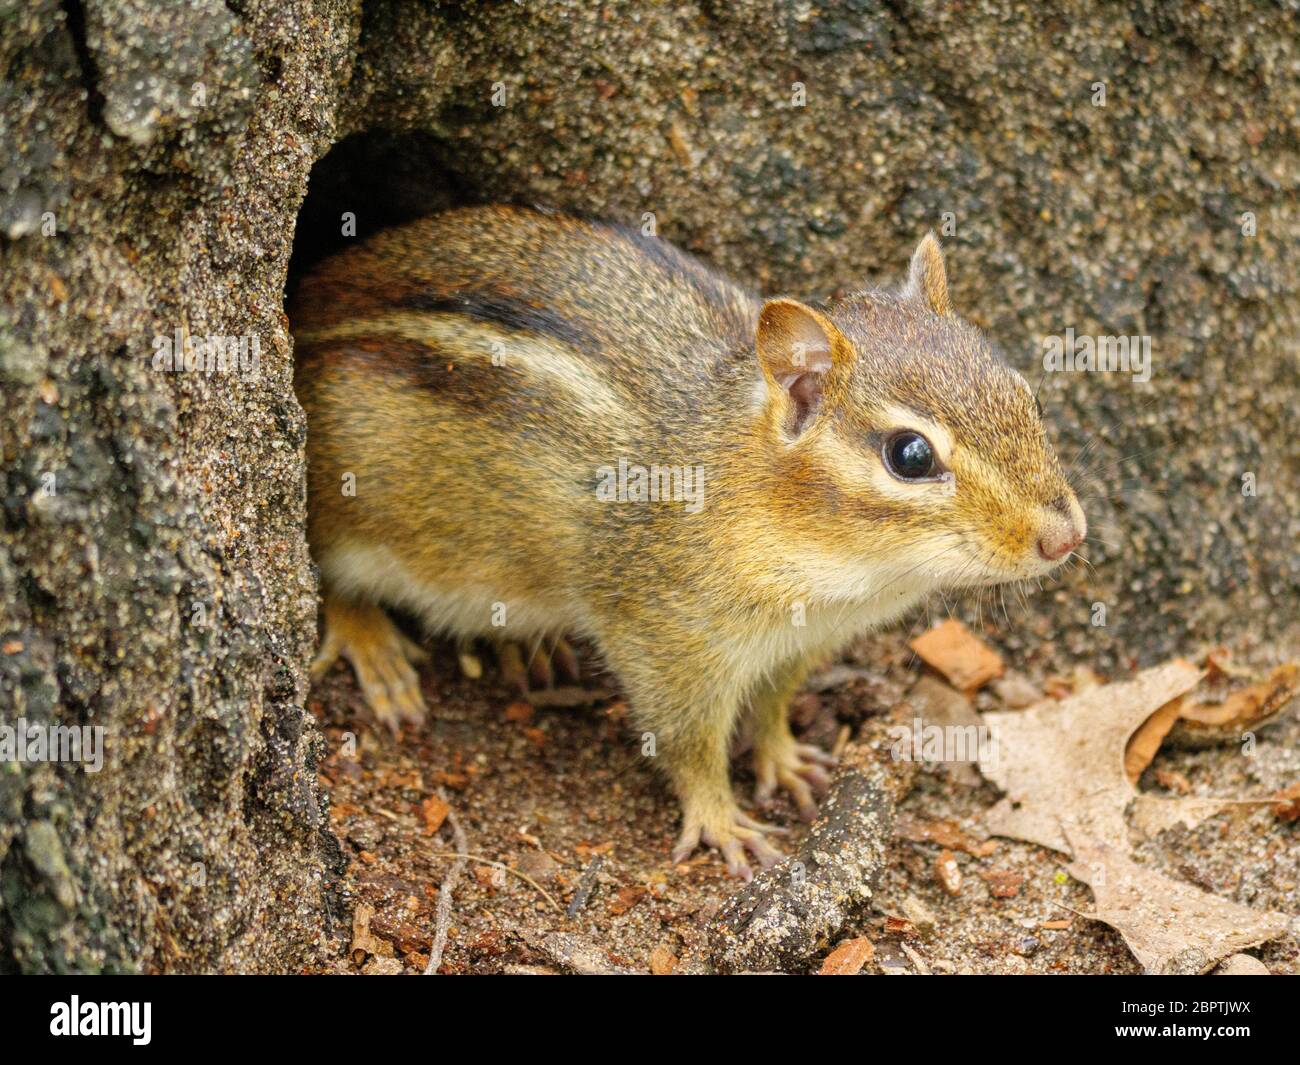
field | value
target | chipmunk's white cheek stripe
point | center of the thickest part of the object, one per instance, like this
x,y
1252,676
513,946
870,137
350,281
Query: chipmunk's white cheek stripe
x,y
546,361
853,468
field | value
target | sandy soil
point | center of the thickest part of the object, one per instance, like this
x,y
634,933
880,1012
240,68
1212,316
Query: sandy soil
x,y
563,796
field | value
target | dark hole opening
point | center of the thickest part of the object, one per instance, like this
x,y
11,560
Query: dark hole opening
x,y
379,179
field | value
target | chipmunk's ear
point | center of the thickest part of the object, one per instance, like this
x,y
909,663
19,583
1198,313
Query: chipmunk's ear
x,y
927,278
799,349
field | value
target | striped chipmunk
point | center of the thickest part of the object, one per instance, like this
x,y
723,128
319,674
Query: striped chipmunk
x,y
526,427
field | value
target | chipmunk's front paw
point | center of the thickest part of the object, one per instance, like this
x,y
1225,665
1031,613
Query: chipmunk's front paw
x,y
797,768
733,833
382,659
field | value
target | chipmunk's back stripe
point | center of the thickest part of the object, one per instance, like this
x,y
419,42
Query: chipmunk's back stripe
x,y
512,315
337,294
434,352
494,392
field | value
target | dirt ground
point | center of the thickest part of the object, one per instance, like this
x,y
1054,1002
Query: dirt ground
x,y
563,800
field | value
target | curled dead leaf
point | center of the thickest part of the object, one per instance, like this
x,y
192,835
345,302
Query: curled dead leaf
x,y
1063,769
1145,742
1203,724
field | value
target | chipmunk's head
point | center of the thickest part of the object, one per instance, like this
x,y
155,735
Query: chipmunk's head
x,y
919,450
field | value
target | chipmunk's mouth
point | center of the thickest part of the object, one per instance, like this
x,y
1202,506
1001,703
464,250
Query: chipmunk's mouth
x,y
985,569
1034,567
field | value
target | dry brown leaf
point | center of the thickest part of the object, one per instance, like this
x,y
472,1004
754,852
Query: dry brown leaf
x,y
1146,741
1068,757
1242,965
1171,927
1241,711
662,961
946,834
961,656
848,958
1062,769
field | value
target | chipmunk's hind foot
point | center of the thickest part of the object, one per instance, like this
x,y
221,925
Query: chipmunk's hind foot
x,y
526,668
380,655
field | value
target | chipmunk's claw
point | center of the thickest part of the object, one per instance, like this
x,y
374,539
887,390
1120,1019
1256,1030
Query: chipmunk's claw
x,y
392,691
565,660
734,834
541,667
540,673
796,768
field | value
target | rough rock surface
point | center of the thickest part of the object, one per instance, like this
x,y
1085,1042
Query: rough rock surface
x,y
153,576
162,588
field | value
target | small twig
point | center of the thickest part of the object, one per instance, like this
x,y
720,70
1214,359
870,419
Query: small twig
x,y
445,892
586,885
502,865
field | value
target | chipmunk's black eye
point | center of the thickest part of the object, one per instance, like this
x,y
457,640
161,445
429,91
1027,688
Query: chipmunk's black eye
x,y
909,456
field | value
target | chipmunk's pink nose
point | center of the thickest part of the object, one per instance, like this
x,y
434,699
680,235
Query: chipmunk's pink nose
x,y
1063,530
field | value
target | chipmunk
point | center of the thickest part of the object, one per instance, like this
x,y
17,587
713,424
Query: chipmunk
x,y
476,376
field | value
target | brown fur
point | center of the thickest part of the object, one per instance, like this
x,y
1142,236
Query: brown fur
x,y
476,480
